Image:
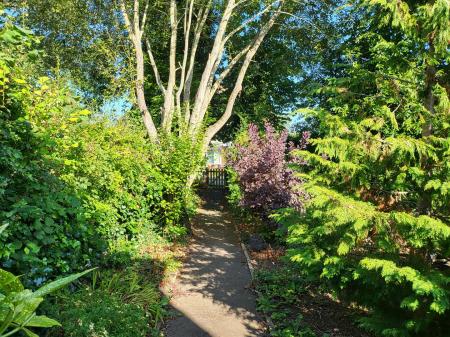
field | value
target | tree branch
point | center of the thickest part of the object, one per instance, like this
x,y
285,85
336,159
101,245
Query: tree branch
x,y
187,32
203,15
135,35
154,67
136,17
144,16
167,113
210,88
228,69
246,22
216,52
126,18
212,130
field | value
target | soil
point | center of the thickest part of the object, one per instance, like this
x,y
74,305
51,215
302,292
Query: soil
x,y
323,314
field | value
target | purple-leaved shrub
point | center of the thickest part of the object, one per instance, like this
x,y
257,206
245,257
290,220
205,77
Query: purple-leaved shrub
x,y
262,167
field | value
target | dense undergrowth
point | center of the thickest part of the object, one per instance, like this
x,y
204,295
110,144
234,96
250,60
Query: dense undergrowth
x,y
78,190
122,301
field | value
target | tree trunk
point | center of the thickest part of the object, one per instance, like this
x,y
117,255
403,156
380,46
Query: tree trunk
x,y
140,95
210,81
168,109
135,31
212,130
424,203
199,104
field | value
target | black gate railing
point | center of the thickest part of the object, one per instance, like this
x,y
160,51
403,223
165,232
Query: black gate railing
x,y
213,178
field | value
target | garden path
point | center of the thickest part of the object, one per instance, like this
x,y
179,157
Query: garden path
x,y
211,293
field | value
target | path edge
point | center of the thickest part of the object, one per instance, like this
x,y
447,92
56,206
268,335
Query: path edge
x,y
252,274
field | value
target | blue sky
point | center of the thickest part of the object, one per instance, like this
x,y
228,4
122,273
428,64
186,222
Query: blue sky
x,y
116,107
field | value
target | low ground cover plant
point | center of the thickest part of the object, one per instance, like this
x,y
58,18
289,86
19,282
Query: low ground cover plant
x,y
121,301
97,313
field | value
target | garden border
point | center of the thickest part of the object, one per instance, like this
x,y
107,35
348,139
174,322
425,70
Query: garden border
x,y
251,269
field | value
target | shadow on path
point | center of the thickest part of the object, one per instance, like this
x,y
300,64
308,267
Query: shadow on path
x,y
211,292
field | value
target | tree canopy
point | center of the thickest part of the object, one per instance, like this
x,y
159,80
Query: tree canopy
x,y
89,40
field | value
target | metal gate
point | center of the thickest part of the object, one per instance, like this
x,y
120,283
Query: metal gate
x,y
213,178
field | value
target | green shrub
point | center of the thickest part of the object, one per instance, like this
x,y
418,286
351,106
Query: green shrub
x,y
358,252
76,187
177,158
376,229
234,195
98,314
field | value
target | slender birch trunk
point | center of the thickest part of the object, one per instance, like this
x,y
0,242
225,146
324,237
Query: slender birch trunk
x,y
135,31
169,106
177,90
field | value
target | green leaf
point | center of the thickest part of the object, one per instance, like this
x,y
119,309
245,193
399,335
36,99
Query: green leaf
x,y
2,228
26,308
24,30
434,184
55,285
411,303
33,247
9,283
6,314
343,248
43,322
30,333
10,36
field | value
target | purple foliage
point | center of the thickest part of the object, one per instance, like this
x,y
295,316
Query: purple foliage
x,y
265,179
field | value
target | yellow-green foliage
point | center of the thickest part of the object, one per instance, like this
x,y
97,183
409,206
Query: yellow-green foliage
x,y
76,187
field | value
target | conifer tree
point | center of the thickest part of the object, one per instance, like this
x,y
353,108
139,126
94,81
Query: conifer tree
x,y
376,228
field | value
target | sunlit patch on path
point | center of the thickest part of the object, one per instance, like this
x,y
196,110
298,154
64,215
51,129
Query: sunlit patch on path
x,y
211,292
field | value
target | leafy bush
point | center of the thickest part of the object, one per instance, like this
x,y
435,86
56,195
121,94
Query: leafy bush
x,y
77,190
234,195
266,182
373,258
75,187
177,158
48,232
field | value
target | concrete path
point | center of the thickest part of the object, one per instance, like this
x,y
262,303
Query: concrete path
x,y
211,292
